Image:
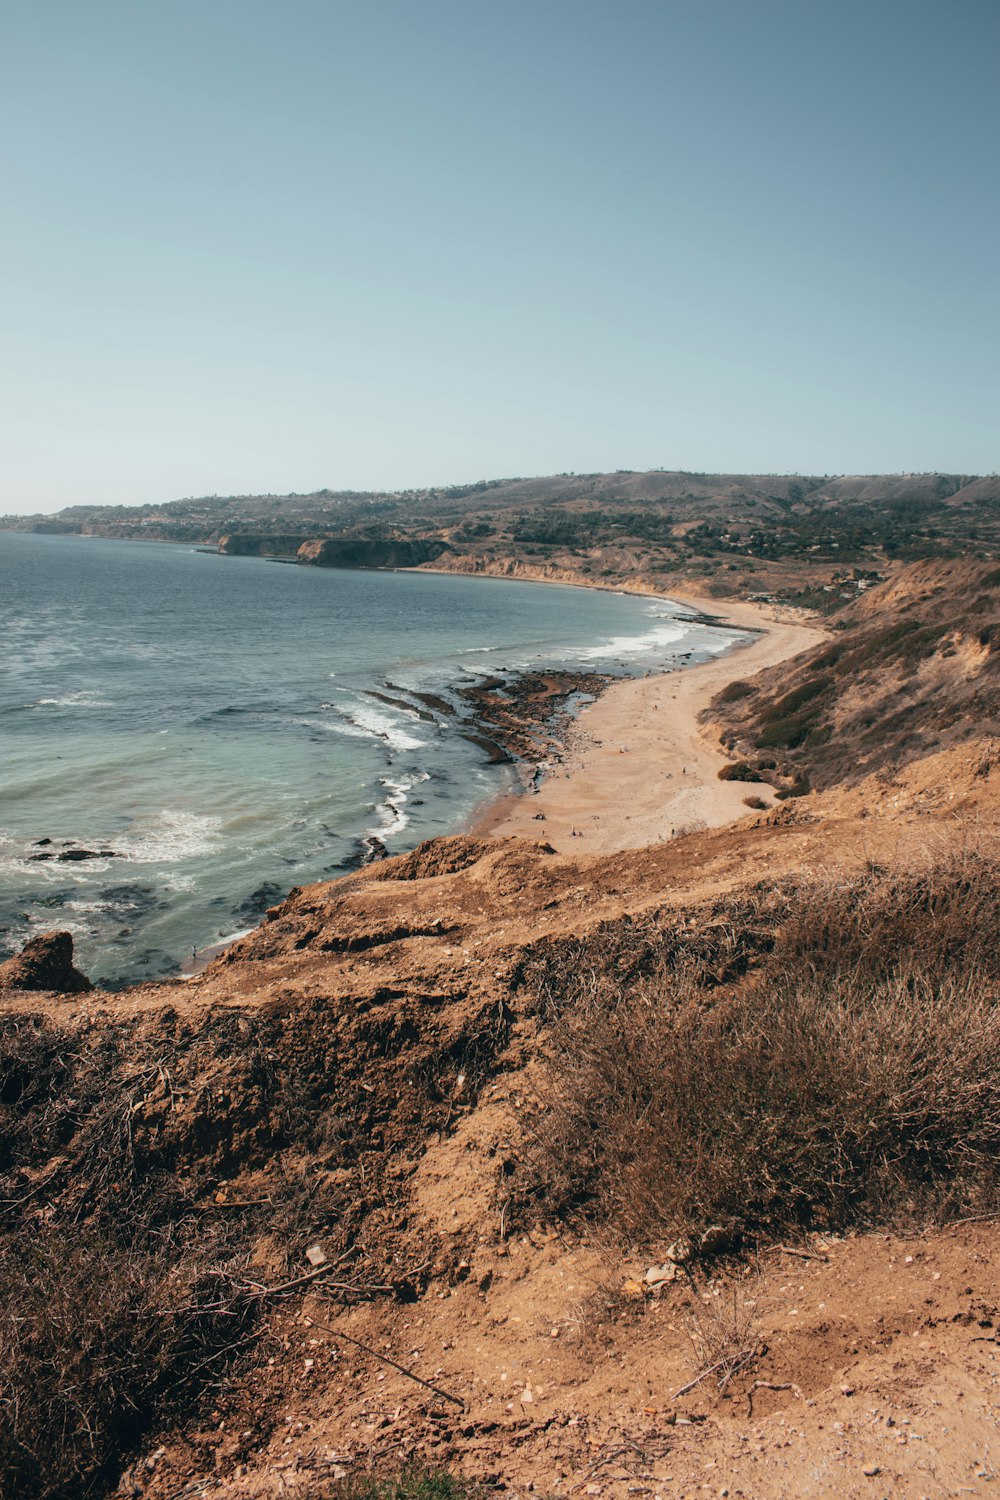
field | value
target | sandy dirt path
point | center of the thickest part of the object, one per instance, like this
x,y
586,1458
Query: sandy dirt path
x,y
641,768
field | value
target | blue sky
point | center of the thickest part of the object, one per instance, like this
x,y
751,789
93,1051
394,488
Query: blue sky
x,y
255,246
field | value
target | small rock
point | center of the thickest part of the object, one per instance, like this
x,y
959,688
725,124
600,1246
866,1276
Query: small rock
x,y
632,1288
715,1240
847,1390
870,1470
680,1251
661,1275
316,1255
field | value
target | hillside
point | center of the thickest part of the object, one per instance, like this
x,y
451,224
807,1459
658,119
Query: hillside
x,y
805,539
622,1172
913,666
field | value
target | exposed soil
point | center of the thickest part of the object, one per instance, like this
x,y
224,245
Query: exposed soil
x,y
355,1080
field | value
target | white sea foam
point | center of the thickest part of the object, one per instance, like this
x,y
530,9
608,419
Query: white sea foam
x,y
170,837
362,721
85,698
637,645
392,818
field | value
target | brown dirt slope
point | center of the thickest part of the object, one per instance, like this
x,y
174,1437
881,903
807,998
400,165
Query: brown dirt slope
x,y
914,666
351,1127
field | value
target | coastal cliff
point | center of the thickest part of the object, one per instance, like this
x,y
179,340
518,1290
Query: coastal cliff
x,y
369,552
247,544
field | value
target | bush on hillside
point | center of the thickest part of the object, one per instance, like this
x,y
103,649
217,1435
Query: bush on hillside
x,y
855,1076
739,770
94,1338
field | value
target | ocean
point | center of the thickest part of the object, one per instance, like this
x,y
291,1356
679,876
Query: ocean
x,y
205,726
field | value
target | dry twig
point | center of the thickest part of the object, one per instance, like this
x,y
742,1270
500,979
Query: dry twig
x,y
386,1359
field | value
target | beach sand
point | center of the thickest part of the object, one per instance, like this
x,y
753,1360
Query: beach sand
x,y
640,768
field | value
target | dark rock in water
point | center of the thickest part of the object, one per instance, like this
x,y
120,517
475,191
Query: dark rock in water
x,y
495,753
36,857
40,843
256,904
45,963
374,849
56,898
76,854
132,901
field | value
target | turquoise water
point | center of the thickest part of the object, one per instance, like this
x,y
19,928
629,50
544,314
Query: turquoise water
x,y
208,720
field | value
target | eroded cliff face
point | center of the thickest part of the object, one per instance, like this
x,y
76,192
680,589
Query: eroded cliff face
x,y
261,544
367,552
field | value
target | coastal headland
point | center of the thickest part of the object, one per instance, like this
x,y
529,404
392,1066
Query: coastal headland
x,y
654,1159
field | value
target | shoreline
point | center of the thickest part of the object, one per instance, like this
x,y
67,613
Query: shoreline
x,y
641,767
591,777
667,773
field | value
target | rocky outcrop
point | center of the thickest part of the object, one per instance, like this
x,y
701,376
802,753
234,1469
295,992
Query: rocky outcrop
x,y
258,544
45,963
370,552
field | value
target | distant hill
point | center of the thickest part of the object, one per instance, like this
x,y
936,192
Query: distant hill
x,y
807,539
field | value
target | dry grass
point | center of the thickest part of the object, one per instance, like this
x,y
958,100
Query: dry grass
x,y
95,1337
143,1158
413,1483
853,1076
724,1326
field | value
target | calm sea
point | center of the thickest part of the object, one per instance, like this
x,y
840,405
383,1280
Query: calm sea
x,y
209,720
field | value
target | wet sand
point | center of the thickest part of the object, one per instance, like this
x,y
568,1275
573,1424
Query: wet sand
x,y
640,767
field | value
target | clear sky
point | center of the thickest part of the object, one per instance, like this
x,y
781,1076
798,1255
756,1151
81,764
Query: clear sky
x,y
263,245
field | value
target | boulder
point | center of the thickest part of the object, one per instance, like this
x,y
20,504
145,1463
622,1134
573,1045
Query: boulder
x,y
716,1240
78,854
45,963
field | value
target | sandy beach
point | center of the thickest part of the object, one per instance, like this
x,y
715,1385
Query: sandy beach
x,y
640,767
